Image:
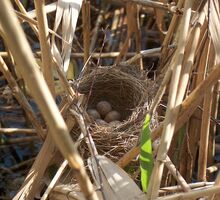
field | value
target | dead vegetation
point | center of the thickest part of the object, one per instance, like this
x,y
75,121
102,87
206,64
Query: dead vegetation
x,y
147,58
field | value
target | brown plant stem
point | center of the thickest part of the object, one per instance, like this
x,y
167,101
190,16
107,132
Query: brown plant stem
x,y
86,29
45,44
172,107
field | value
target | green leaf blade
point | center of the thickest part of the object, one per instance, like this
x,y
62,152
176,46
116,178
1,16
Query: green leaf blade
x,y
146,155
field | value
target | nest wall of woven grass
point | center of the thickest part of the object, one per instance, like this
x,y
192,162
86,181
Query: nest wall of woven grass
x,y
129,93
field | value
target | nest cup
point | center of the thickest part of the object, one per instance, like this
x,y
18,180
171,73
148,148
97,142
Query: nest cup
x,y
130,94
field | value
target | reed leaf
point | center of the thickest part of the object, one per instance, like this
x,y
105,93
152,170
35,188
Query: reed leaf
x,y
146,156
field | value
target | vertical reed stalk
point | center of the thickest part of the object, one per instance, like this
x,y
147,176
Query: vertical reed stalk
x,y
172,107
86,29
204,136
45,44
215,106
169,35
86,34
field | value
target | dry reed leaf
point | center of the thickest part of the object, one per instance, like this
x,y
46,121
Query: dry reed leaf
x,y
67,13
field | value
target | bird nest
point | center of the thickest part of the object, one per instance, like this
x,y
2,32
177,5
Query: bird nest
x,y
129,92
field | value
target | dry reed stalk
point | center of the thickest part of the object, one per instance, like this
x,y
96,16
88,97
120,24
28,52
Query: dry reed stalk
x,y
68,89
179,188
118,33
194,124
132,28
22,164
21,99
96,30
27,65
203,192
130,18
114,26
48,9
86,29
55,179
33,178
23,11
204,136
189,105
18,131
214,114
156,4
205,125
213,168
25,18
160,16
180,180
145,54
45,44
188,63
20,140
128,157
172,107
142,54
217,184
169,35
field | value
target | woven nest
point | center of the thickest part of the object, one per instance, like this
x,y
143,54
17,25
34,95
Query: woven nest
x,y
129,93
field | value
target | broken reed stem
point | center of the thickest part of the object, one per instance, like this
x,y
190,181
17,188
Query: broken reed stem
x,y
22,100
45,44
86,29
172,107
26,63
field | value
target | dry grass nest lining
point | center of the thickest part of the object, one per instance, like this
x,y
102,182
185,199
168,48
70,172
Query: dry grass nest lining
x,y
130,94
